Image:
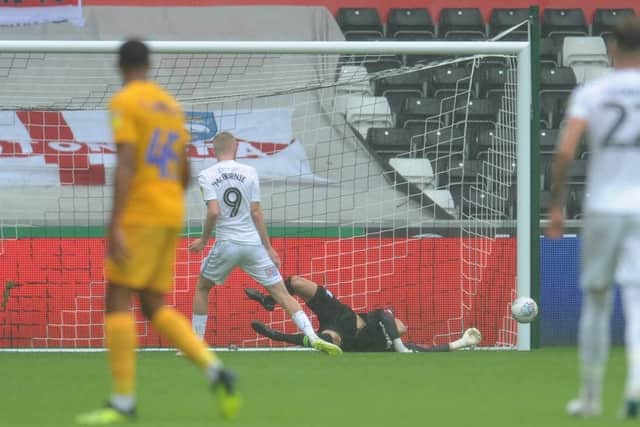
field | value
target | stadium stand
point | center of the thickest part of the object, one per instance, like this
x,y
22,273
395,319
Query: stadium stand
x,y
503,19
461,24
605,19
410,24
360,23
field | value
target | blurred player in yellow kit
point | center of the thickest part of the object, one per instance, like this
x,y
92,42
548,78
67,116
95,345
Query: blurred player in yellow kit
x,y
148,207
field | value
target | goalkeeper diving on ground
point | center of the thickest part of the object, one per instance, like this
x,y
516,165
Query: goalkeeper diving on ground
x,y
375,331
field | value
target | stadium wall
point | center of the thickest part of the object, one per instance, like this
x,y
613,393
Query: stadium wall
x,y
53,288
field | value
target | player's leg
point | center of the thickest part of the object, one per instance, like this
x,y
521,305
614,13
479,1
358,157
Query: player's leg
x,y
296,285
200,314
296,339
214,270
628,276
174,327
600,248
470,338
258,264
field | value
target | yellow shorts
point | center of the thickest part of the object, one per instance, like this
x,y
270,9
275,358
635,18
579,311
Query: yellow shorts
x,y
151,259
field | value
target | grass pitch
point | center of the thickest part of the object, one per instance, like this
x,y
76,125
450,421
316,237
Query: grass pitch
x,y
474,388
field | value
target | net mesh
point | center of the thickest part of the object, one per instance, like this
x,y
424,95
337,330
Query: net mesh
x,y
387,179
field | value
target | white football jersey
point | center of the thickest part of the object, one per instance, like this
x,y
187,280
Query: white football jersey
x,y
234,186
611,106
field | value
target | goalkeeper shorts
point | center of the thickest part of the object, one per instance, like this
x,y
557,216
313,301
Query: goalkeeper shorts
x,y
150,261
253,259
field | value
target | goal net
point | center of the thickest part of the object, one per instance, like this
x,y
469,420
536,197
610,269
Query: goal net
x,y
388,175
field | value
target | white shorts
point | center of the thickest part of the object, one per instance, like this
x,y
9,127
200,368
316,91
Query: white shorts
x,y
610,251
253,259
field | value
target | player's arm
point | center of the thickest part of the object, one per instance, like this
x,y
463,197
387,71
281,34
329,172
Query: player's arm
x,y
571,135
258,219
185,169
125,136
213,213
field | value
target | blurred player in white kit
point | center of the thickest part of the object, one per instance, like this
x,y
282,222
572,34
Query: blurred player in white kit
x,y
607,110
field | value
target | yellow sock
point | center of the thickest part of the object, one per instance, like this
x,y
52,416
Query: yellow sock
x,y
120,333
175,328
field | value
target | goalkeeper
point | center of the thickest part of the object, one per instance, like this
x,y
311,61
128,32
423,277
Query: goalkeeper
x,y
375,331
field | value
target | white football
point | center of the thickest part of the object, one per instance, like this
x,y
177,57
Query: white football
x,y
524,309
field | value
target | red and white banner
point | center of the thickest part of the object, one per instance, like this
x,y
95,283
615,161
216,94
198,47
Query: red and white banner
x,y
25,12
75,147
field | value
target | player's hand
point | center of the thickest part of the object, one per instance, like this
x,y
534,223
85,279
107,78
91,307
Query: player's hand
x,y
274,257
197,245
555,230
117,249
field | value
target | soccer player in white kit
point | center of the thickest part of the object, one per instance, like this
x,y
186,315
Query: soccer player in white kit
x,y
232,193
607,110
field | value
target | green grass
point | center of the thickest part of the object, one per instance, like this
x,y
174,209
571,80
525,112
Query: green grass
x,y
478,388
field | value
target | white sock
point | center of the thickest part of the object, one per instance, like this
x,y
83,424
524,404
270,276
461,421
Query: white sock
x,y
199,323
123,402
457,344
399,346
303,323
631,301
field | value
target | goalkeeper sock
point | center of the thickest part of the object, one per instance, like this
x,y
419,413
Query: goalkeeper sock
x,y
176,329
435,349
304,324
399,346
199,323
120,340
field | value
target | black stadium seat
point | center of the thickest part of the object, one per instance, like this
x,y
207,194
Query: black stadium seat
x,y
391,140
492,79
605,19
558,78
360,23
558,23
550,52
399,87
410,24
552,108
419,110
503,19
548,141
445,140
461,24
445,80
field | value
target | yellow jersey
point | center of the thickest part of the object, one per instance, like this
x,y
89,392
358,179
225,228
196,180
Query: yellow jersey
x,y
145,115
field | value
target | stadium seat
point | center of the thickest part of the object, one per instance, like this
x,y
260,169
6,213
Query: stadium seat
x,y
549,52
546,200
552,108
445,80
557,79
353,80
446,140
558,23
479,110
548,141
381,63
491,80
461,24
413,83
364,112
605,19
392,140
360,23
410,24
587,56
503,19
414,171
420,110
584,50
575,200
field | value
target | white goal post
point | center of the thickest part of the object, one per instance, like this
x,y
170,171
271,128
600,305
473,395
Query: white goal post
x,y
520,51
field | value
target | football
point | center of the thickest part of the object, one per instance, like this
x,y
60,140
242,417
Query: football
x,y
524,309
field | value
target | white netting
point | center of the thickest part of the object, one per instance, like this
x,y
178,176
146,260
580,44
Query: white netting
x,y
357,182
